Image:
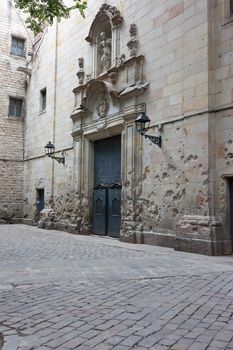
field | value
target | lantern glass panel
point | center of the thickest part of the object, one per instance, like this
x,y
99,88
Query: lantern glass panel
x,y
142,123
49,149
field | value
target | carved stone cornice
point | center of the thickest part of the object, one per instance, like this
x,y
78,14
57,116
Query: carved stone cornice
x,y
133,90
78,113
108,75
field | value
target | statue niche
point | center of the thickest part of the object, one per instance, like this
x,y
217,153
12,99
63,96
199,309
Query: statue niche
x,y
104,52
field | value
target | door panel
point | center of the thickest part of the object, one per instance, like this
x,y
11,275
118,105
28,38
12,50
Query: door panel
x,y
99,212
107,186
114,212
39,201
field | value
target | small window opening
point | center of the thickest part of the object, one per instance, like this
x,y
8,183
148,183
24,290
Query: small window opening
x,y
18,46
15,107
43,96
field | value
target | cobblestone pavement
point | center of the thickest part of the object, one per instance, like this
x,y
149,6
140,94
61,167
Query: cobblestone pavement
x,y
60,291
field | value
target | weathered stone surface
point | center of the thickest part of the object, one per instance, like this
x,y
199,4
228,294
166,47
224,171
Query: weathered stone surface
x,y
181,70
12,84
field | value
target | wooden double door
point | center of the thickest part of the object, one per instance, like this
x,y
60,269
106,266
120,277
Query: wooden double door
x,y
107,187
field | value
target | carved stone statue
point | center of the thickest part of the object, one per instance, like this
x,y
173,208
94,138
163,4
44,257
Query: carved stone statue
x,y
102,106
105,49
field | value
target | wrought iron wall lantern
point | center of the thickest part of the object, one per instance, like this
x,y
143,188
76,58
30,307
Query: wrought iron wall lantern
x,y
50,150
143,125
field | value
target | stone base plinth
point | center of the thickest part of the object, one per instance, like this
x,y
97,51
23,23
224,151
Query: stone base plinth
x,y
161,239
202,235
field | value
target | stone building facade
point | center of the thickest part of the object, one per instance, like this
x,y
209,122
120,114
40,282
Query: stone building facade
x,y
90,79
15,42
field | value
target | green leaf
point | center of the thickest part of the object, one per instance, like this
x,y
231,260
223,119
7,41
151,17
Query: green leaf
x,y
42,12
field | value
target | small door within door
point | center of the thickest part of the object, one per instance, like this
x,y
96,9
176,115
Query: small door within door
x,y
39,201
231,208
107,187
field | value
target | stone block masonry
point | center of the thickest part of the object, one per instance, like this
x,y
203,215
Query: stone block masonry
x,y
12,84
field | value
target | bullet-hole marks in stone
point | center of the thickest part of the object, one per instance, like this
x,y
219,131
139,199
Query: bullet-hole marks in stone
x,y
230,141
172,167
205,182
200,199
192,157
146,171
165,175
169,193
229,155
175,211
177,196
151,194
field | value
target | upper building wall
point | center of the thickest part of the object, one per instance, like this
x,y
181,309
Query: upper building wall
x,y
221,53
12,84
175,72
173,36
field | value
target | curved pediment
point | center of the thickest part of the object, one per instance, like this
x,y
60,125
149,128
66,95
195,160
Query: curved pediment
x,y
99,87
106,13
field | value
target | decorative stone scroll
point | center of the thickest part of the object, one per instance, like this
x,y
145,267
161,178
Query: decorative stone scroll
x,y
133,42
80,74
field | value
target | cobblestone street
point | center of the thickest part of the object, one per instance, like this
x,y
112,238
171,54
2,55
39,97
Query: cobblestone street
x,y
60,291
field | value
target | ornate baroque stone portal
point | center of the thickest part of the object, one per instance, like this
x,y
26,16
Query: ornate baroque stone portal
x,y
106,105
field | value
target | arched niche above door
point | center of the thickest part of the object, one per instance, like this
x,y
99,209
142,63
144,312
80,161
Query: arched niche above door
x,y
101,99
104,39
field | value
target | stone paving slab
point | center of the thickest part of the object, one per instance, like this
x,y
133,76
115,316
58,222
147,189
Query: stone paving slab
x,y
60,291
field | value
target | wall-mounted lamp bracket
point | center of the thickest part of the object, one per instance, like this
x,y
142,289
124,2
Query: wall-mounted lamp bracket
x,y
59,159
143,125
157,140
49,151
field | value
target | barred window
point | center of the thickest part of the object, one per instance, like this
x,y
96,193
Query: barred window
x,y
18,46
15,107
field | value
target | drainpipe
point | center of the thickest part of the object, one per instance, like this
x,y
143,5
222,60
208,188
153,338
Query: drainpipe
x,y
54,104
